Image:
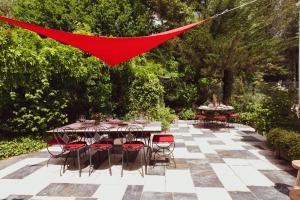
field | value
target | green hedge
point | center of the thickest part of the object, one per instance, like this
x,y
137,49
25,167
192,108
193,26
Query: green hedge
x,y
20,145
187,114
285,140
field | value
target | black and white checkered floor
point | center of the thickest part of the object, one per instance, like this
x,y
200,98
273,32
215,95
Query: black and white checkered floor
x,y
219,164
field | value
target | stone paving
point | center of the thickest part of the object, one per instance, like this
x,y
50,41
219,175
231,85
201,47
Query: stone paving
x,y
219,164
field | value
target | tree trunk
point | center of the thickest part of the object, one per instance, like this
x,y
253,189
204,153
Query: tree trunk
x,y
227,85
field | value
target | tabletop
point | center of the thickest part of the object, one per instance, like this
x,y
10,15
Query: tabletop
x,y
111,126
216,108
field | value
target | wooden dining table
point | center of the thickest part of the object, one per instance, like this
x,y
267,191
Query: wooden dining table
x,y
111,127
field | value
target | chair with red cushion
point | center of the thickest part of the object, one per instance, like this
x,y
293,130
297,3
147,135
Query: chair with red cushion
x,y
57,141
234,116
220,118
133,144
70,147
202,118
101,144
163,145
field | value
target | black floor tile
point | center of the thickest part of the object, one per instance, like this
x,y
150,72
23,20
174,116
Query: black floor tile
x,y
133,192
242,154
157,196
24,171
185,196
69,190
18,197
204,135
268,193
193,149
242,196
213,158
215,142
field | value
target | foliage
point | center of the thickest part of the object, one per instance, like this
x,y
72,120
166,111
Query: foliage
x,y
165,115
271,107
145,91
187,114
20,145
47,83
286,140
254,113
279,100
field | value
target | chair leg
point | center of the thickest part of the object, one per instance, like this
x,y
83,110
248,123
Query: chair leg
x,y
141,161
108,155
48,160
78,157
122,163
146,159
62,169
91,167
127,157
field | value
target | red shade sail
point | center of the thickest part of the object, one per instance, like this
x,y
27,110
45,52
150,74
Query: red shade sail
x,y
112,50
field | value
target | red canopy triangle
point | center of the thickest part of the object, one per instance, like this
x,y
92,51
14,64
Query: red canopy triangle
x,y
112,50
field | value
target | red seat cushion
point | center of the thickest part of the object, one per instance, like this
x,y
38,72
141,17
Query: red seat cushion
x,y
163,138
220,117
102,145
234,115
55,141
200,116
75,145
133,145
60,141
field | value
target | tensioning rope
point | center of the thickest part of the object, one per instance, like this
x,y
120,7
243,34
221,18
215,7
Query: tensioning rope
x,y
230,10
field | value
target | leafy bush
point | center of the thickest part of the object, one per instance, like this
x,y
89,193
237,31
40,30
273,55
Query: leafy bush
x,y
145,92
286,140
20,145
254,114
47,83
187,114
270,109
165,115
279,101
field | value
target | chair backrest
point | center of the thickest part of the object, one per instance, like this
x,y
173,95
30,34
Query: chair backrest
x,y
101,133
132,132
65,135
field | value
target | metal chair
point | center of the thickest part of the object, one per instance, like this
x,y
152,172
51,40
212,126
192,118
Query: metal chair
x,y
133,144
235,117
101,143
71,147
163,145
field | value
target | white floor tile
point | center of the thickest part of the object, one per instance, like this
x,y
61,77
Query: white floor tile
x,y
205,147
263,165
212,194
155,183
251,177
236,161
230,181
109,192
179,181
